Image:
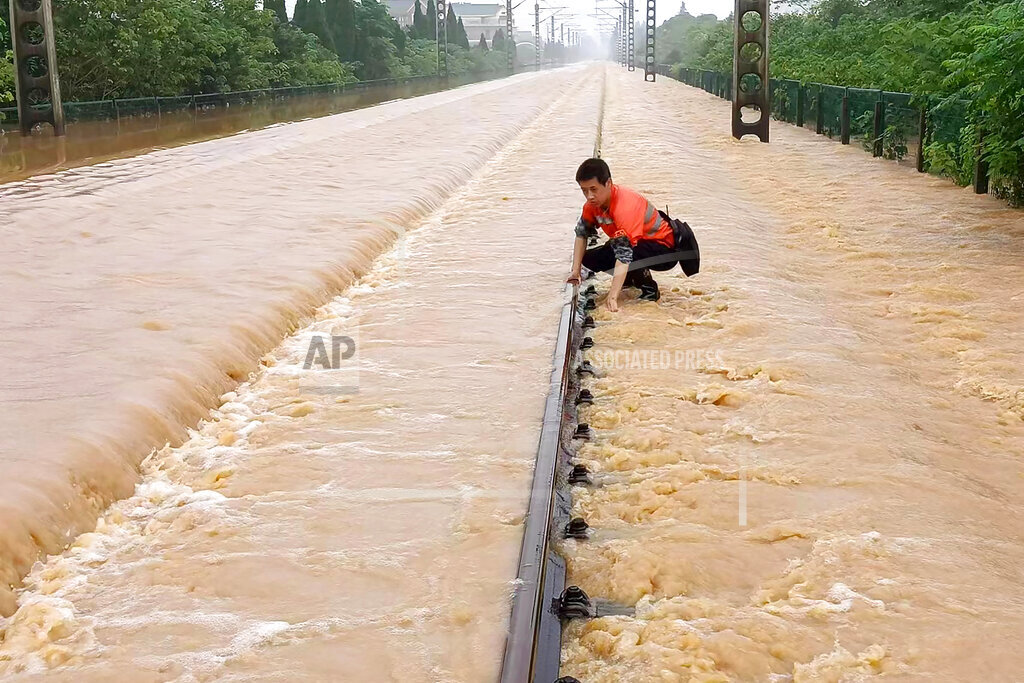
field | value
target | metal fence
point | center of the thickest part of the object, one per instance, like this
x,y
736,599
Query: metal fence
x,y
937,134
155,106
116,108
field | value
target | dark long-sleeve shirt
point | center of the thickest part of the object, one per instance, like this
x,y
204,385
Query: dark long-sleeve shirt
x,y
620,245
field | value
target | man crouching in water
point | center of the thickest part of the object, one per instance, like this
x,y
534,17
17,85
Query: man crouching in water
x,y
640,237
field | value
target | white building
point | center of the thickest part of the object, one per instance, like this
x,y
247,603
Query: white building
x,y
403,11
480,18
476,17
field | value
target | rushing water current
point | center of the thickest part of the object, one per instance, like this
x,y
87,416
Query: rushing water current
x,y
318,525
91,141
808,458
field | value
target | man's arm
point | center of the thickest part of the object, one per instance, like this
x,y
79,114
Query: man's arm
x,y
611,302
623,251
578,249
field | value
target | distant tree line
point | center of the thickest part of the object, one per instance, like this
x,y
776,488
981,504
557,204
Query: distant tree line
x,y
128,48
946,49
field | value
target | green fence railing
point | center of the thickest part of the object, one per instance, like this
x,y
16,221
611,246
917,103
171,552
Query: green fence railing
x,y
155,106
939,134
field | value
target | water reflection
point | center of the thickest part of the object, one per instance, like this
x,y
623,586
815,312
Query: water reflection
x,y
90,142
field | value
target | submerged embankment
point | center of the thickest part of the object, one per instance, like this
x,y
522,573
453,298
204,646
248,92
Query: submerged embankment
x,y
137,292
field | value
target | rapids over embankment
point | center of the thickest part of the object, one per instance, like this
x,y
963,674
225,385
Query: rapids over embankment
x,y
137,292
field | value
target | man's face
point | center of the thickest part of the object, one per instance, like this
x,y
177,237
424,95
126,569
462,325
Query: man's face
x,y
597,194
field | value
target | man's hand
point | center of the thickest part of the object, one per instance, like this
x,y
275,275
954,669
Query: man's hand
x,y
611,302
578,250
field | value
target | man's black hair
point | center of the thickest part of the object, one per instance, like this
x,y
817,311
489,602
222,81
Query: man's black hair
x,y
594,168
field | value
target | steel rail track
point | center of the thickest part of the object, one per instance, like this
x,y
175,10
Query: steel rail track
x,y
534,643
533,646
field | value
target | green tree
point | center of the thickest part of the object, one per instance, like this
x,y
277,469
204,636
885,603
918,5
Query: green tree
x,y
244,47
681,34
299,15
920,9
316,23
420,28
119,48
278,8
5,36
6,66
498,42
991,75
378,40
483,43
833,11
456,33
463,62
124,48
305,61
349,21
431,25
420,58
341,21
948,50
127,48
463,38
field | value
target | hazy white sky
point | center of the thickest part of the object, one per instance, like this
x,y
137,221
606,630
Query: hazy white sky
x,y
579,9
696,7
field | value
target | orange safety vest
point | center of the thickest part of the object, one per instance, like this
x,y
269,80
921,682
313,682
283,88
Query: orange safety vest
x,y
630,215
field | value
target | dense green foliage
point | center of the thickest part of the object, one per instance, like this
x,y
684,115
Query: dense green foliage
x,y
948,50
6,68
683,39
425,20
125,48
128,48
498,42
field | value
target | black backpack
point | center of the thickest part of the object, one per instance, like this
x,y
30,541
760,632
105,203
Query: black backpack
x,y
686,245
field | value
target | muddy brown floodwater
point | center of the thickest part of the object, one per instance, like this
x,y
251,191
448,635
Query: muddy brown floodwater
x,y
810,457
94,141
317,525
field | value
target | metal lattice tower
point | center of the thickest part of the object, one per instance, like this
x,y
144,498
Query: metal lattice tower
x,y
622,37
442,37
35,59
510,40
750,68
536,35
630,38
616,38
650,67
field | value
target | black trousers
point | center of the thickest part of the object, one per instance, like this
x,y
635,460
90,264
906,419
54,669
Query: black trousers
x,y
646,255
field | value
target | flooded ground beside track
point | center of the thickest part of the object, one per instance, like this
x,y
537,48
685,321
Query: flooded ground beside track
x,y
135,127
810,457
357,523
